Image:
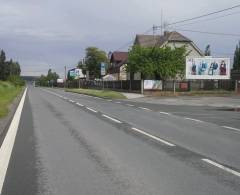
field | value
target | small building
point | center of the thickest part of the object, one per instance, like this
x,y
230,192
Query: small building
x,y
118,62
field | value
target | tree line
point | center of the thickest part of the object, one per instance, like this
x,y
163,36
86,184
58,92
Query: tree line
x,y
10,70
49,80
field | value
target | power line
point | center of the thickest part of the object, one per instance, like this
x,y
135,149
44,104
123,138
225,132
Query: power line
x,y
212,33
201,16
210,19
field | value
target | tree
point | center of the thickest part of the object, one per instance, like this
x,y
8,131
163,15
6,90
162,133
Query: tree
x,y
208,50
165,62
236,60
94,57
2,65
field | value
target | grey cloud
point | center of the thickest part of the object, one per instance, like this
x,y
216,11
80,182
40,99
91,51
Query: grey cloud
x,y
56,32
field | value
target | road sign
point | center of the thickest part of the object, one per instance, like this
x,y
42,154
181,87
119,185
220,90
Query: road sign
x,y
103,69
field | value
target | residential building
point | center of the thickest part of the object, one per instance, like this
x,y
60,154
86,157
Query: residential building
x,y
118,61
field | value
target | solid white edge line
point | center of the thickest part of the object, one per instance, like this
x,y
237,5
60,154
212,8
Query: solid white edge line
x,y
8,142
79,104
166,113
113,119
91,109
221,167
153,137
144,108
232,128
192,119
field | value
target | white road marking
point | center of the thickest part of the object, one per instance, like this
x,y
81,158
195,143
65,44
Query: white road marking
x,y
118,102
65,98
113,119
8,143
91,109
192,119
232,128
71,101
130,105
98,98
144,108
79,104
221,167
166,113
153,137
109,100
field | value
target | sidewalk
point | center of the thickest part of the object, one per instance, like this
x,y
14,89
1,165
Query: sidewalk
x,y
133,95
233,101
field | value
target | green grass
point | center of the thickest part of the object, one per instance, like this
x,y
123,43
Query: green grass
x,y
99,93
8,92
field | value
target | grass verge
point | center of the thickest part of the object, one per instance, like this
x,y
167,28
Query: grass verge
x,y
99,93
8,92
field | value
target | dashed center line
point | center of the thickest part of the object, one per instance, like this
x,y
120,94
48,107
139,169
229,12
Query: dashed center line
x,y
153,137
130,105
192,119
221,167
79,104
145,108
118,102
71,101
166,113
232,128
92,109
113,119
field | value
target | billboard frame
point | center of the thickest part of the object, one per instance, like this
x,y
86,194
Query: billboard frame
x,y
209,63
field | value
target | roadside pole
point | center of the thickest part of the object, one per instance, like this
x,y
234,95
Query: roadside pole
x,y
236,86
174,87
142,86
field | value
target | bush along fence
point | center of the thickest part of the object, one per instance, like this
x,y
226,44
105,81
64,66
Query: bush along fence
x,y
169,85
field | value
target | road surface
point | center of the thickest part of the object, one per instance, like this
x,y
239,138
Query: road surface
x,y
75,144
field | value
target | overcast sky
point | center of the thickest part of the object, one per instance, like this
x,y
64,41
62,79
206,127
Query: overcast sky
x,y
54,33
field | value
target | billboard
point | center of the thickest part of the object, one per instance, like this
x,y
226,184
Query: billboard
x,y
103,69
208,68
153,84
75,73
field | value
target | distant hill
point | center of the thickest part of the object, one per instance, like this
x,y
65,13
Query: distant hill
x,y
30,78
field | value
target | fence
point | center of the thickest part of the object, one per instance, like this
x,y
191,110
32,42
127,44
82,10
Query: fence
x,y
135,85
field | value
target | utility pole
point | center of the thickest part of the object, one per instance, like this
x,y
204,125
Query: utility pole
x,y
161,22
65,75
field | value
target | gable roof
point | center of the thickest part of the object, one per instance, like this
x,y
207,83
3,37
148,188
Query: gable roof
x,y
159,40
119,56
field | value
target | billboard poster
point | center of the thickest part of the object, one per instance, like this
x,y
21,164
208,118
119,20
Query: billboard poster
x,y
208,68
153,84
75,73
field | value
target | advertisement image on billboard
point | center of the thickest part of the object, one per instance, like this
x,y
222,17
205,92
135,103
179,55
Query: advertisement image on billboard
x,y
208,68
75,73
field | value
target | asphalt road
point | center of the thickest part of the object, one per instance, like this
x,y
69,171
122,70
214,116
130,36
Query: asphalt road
x,y
74,144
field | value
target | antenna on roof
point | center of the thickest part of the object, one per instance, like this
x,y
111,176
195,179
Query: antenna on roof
x,y
161,22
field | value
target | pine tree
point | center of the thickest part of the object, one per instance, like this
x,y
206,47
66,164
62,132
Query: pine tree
x,y
236,60
2,65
